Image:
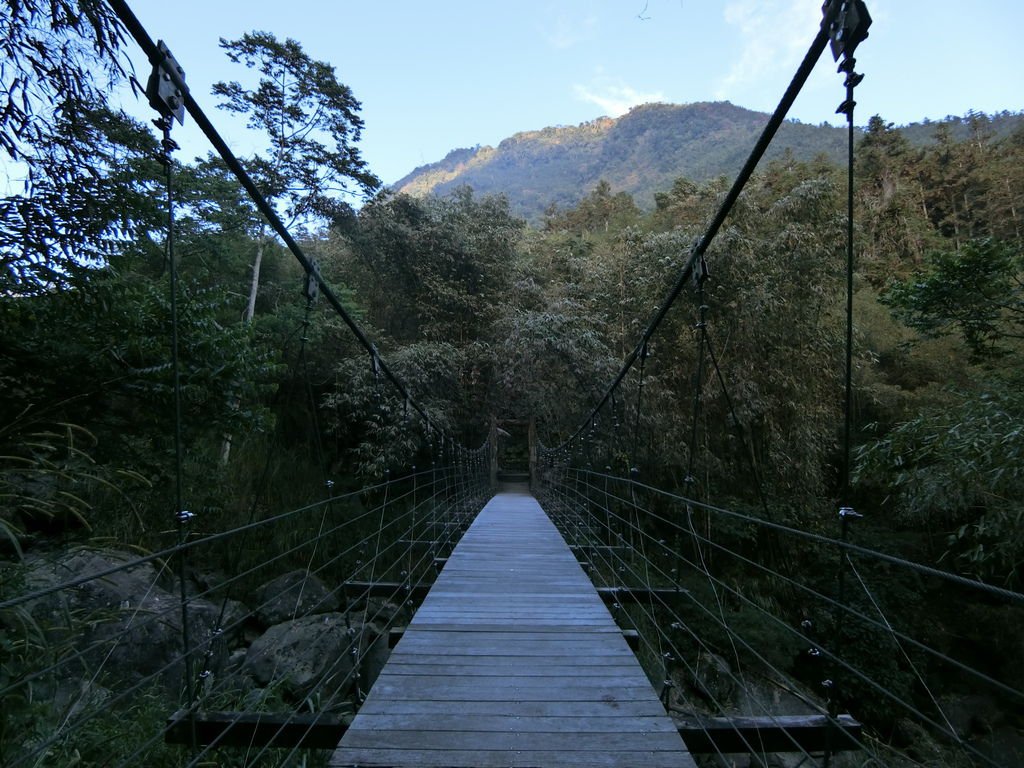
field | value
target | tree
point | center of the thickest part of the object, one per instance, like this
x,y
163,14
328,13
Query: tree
x,y
438,267
959,471
894,205
976,290
597,213
86,166
312,124
76,217
52,54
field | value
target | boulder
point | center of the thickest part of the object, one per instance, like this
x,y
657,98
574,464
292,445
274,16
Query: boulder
x,y
376,656
124,624
377,611
312,653
712,679
291,596
972,715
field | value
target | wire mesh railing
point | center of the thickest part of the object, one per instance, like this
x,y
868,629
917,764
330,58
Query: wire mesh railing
x,y
304,628
706,590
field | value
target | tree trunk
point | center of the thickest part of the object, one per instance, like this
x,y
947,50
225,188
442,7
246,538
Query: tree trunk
x,y
250,311
254,287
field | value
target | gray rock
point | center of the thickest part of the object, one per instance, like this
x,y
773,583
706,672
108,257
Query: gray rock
x,y
376,656
972,715
123,624
312,653
712,679
291,596
382,613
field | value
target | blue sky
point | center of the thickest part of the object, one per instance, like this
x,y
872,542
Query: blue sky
x,y
434,76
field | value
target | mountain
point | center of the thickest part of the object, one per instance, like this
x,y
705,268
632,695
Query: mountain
x,y
641,153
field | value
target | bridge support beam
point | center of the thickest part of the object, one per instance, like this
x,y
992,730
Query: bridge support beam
x,y
778,733
245,729
532,438
493,442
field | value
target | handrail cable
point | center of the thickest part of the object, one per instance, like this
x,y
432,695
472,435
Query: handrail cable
x,y
938,655
704,241
214,742
1017,597
423,559
623,566
145,680
675,652
172,550
825,651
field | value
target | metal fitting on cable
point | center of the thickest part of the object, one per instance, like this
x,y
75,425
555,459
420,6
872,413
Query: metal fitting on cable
x,y
849,27
700,272
312,286
666,691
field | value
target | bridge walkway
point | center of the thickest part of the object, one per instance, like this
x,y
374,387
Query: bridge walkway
x,y
512,660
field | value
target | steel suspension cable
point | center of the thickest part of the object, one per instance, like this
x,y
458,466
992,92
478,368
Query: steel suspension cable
x,y
156,58
831,601
825,650
704,241
624,566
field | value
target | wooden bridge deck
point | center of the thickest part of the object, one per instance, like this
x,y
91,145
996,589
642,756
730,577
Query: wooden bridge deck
x,y
512,660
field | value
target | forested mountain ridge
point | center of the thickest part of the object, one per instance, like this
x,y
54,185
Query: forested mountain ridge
x,y
640,153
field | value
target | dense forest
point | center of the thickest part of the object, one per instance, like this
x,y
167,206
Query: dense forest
x,y
642,153
483,315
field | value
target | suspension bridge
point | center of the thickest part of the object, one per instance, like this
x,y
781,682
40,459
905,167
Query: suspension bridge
x,y
459,617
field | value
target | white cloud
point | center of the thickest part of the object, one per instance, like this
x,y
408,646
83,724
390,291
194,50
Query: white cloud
x,y
774,36
614,97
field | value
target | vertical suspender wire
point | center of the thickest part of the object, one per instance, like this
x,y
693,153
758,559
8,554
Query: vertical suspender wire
x,y
846,512
700,275
328,484
848,395
634,470
181,516
702,336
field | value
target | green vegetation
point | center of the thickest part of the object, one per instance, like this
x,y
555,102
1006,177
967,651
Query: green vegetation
x,y
485,315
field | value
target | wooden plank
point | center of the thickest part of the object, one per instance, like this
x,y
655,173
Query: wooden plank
x,y
512,660
595,709
608,672
471,661
489,740
518,724
524,758
416,688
